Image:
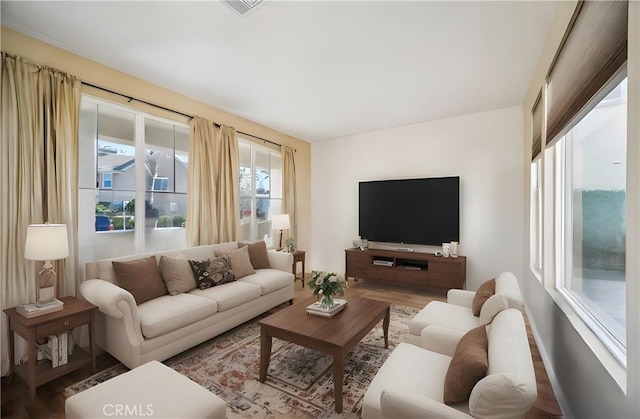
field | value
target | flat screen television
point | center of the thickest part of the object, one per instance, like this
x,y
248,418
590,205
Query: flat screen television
x,y
410,211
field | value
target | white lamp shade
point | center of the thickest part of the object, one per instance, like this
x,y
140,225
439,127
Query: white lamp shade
x,y
280,222
46,242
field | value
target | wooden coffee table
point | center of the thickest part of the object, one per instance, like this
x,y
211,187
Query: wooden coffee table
x,y
335,336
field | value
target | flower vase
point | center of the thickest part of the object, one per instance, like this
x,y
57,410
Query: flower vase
x,y
326,303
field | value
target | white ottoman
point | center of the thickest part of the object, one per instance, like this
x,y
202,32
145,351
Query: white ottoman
x,y
151,390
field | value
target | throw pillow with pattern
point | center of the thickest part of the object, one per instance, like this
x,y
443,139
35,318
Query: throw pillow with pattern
x,y
212,272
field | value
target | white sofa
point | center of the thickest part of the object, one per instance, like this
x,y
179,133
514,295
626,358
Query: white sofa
x,y
165,326
410,384
456,313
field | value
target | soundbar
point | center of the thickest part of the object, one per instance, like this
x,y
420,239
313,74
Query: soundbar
x,y
404,249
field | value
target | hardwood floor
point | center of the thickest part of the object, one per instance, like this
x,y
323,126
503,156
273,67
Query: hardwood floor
x,y
50,399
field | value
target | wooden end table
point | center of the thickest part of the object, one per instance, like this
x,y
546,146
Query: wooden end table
x,y
335,336
298,256
76,312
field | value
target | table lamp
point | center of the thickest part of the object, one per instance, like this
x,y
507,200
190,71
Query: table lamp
x,y
46,242
280,222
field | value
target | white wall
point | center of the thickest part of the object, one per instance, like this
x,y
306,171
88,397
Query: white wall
x,y
484,149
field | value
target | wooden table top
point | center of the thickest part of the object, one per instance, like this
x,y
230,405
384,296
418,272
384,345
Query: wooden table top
x,y
358,317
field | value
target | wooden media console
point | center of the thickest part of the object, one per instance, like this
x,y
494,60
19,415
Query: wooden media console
x,y
414,269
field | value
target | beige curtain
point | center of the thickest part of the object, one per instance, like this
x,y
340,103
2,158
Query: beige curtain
x,y
38,164
213,190
289,188
228,188
201,184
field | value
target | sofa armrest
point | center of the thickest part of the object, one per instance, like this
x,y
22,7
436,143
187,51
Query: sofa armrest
x,y
440,339
282,261
400,403
106,296
460,297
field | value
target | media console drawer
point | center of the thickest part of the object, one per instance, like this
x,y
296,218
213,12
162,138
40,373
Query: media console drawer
x,y
414,269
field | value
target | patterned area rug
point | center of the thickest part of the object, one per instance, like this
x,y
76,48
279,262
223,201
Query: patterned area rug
x,y
299,381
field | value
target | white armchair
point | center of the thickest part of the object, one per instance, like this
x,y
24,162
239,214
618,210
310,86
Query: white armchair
x,y
410,384
456,313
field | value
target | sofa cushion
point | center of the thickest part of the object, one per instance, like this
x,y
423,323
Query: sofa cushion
x,y
411,368
230,295
443,314
240,261
141,277
269,280
486,290
106,272
177,274
212,272
494,305
258,254
468,366
171,312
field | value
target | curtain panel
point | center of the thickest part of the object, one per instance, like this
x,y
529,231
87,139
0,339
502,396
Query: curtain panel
x,y
213,208
38,163
289,188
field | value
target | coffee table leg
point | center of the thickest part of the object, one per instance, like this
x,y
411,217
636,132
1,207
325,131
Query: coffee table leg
x,y
385,327
265,353
338,379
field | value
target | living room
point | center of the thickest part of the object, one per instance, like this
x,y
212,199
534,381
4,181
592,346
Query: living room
x,y
489,150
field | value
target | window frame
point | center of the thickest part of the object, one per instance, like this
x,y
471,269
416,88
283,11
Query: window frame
x,y
563,228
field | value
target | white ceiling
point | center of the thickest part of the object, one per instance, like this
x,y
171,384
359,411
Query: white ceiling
x,y
316,70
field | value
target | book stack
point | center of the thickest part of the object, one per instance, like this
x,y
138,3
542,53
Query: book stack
x,y
338,306
37,309
57,349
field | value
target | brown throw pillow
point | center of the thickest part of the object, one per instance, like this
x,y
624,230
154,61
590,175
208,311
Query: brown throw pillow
x,y
486,290
468,366
240,261
257,254
212,272
177,275
141,277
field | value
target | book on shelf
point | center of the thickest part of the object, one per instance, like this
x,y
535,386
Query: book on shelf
x,y
53,350
34,309
63,342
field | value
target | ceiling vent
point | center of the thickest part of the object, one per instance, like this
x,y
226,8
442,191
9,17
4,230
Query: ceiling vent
x,y
242,7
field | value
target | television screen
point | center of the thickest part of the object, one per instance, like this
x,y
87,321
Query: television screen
x,y
411,211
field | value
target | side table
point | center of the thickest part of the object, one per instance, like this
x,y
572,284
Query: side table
x,y
76,312
298,256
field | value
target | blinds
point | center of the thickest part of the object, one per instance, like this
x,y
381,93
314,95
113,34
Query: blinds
x,y
594,48
536,123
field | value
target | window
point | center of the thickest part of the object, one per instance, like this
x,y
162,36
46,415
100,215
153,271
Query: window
x,y
591,206
260,190
136,158
107,180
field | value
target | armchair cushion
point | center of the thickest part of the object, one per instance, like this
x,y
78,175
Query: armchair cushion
x,y
240,261
494,305
468,366
257,254
486,290
141,277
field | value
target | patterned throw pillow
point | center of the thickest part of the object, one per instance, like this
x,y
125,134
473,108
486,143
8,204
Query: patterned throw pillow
x,y
212,272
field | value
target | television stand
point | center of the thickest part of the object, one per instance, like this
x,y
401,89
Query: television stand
x,y
414,269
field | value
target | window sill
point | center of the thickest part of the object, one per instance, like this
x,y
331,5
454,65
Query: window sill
x,y
616,370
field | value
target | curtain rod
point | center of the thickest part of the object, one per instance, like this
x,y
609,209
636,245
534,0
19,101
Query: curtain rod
x,y
171,110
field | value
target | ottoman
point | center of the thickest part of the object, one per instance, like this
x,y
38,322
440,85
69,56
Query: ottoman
x,y
151,390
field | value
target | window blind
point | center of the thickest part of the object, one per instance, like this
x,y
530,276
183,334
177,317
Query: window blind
x,y
592,51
